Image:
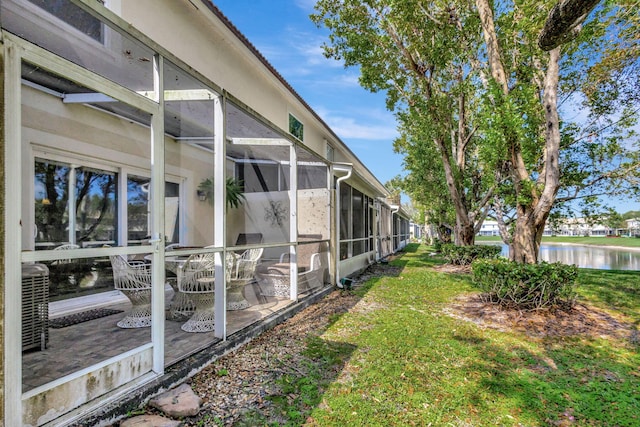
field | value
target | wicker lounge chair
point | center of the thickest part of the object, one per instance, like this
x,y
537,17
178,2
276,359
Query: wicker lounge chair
x,y
273,278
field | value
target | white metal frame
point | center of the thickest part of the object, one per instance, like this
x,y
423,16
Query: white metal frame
x,y
12,297
219,206
15,51
293,222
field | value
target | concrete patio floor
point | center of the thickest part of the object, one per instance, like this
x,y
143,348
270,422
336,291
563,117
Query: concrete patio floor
x,y
85,344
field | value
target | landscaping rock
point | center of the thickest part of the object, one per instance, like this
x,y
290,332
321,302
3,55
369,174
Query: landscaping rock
x,y
150,421
178,402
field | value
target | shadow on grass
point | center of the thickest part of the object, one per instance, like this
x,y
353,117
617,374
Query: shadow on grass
x,y
300,392
301,388
571,383
559,381
613,289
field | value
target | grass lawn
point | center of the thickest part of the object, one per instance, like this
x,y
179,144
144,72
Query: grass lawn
x,y
628,242
397,359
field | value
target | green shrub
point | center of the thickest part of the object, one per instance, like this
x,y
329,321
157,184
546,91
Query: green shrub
x,y
527,286
437,245
464,255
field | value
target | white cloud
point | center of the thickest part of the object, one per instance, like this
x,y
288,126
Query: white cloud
x,y
306,5
297,51
363,124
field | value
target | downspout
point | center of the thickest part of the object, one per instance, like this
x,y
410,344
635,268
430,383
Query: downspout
x,y
347,168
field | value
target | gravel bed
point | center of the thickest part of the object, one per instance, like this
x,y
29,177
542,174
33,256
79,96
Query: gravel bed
x,y
242,380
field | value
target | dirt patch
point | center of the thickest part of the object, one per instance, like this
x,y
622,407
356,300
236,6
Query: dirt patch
x,y
453,269
581,320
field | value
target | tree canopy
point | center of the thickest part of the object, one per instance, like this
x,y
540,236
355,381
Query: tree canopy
x,y
491,116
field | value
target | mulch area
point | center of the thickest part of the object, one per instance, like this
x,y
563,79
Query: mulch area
x,y
580,320
451,268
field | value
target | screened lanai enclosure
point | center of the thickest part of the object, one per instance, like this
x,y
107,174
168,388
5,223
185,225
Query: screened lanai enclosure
x,y
153,214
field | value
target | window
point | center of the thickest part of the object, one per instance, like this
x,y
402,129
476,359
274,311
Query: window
x,y
137,208
330,152
369,223
91,195
73,204
358,223
356,229
74,16
95,205
296,128
51,202
312,177
345,210
172,212
258,177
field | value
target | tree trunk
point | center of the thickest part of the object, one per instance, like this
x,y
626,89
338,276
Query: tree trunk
x,y
465,234
525,247
493,48
532,217
505,233
533,213
463,221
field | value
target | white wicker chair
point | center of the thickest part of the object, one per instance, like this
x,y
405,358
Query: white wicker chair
x,y
64,247
134,280
172,246
196,279
65,264
242,273
181,307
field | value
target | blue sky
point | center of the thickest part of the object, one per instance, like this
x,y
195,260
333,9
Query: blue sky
x,y
284,34
282,31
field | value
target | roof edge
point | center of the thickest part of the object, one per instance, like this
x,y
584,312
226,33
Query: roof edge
x,y
227,22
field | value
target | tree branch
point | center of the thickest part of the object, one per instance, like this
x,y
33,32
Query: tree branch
x,y
564,21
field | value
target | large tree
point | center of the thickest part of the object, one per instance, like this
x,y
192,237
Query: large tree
x,y
427,185
429,55
592,156
419,54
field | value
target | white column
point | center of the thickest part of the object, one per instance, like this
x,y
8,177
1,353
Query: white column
x,y
219,210
157,219
71,203
293,222
122,239
12,325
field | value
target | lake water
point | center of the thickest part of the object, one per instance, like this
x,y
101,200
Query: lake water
x,y
598,257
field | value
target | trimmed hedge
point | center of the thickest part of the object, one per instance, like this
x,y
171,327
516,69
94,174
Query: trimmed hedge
x,y
527,286
464,255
